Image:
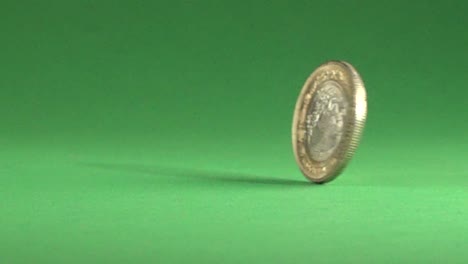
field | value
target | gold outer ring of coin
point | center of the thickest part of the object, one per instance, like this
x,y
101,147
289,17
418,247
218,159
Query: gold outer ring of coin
x,y
354,91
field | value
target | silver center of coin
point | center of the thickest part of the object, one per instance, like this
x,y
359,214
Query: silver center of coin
x,y
325,119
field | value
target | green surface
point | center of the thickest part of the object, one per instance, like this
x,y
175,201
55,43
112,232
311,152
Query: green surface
x,y
159,132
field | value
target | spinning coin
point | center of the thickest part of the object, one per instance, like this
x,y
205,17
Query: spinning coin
x,y
328,120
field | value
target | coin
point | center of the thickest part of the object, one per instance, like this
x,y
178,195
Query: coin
x,y
328,120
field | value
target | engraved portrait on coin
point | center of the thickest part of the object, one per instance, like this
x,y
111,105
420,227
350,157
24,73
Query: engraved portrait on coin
x,y
325,119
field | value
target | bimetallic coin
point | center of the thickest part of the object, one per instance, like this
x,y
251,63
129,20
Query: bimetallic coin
x,y
328,120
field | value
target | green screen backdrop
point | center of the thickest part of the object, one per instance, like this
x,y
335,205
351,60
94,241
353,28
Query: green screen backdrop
x,y
160,132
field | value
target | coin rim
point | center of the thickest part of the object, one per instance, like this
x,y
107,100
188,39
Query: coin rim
x,y
353,130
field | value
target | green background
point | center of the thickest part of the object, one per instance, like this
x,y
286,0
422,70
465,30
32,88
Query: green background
x,y
159,131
